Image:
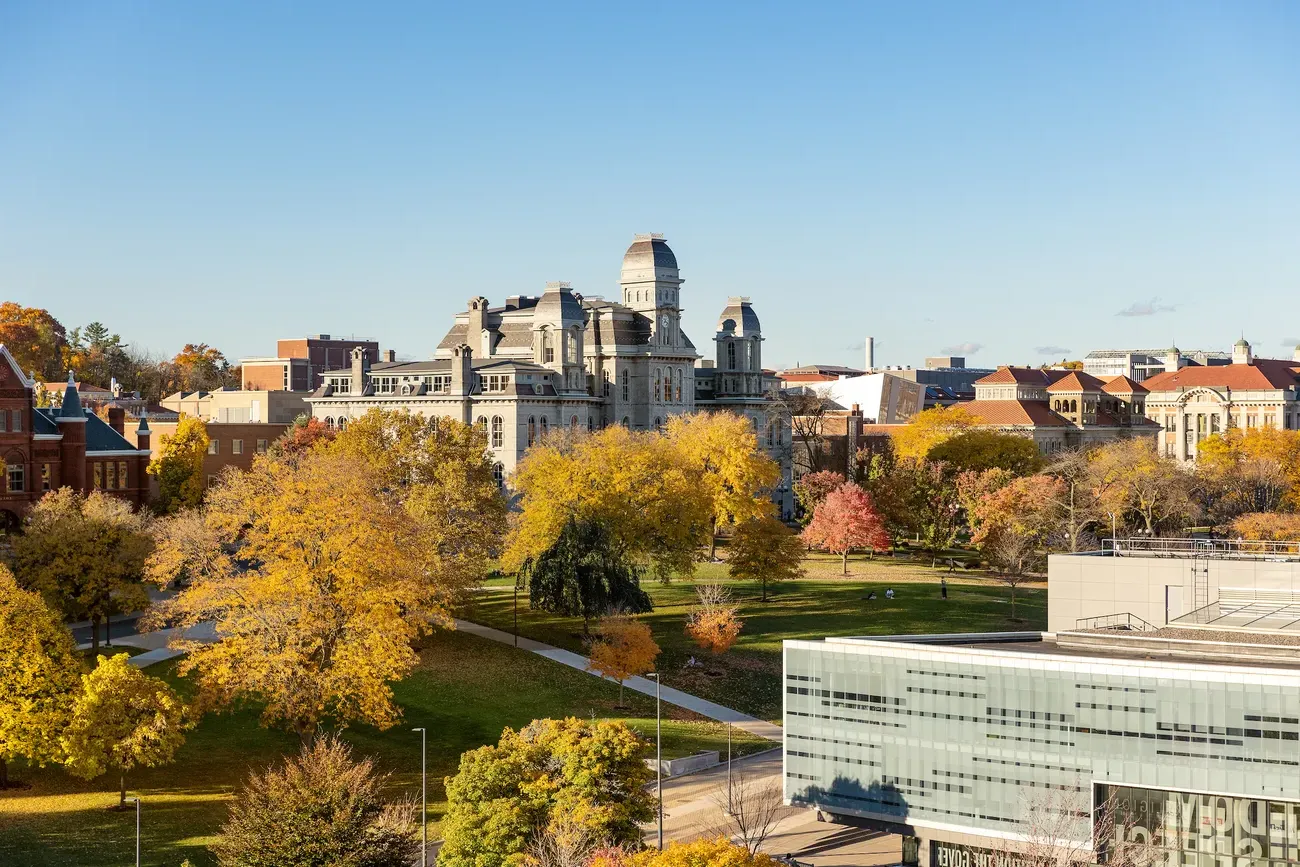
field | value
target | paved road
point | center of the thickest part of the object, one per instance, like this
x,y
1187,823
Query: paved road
x,y
121,628
691,808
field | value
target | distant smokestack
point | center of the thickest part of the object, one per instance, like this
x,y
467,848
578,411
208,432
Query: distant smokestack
x,y
871,353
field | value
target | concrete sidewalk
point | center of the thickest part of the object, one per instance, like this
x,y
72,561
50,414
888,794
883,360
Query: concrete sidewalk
x,y
642,685
155,643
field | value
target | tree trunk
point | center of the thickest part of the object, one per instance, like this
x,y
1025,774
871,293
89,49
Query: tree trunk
x,y
1013,602
713,538
764,582
122,803
620,693
4,774
844,563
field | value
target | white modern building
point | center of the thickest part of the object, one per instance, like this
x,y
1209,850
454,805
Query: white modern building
x,y
538,363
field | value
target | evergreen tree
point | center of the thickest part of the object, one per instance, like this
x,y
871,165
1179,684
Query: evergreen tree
x,y
584,573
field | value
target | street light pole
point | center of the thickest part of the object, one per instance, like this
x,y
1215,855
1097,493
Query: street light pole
x,y
137,831
424,800
729,808
659,760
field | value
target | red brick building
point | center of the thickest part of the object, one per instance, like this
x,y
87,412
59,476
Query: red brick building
x,y
52,447
300,363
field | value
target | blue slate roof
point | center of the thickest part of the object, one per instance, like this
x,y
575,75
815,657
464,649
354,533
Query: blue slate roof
x,y
100,437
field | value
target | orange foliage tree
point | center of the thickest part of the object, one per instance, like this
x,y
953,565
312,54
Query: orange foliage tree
x,y
714,624
623,648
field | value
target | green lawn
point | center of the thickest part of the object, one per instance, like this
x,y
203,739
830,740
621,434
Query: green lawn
x,y
748,677
464,691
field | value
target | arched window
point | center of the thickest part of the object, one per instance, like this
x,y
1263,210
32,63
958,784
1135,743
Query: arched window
x,y
753,356
571,345
668,385
1056,405
499,474
498,432
679,385
731,355
329,422
658,423
573,424
658,383
771,433
481,424
627,390
548,348
544,426
627,422
343,423
591,424
532,430
1074,406
604,379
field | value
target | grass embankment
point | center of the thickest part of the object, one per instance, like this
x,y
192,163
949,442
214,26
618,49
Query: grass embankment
x,y
748,677
465,691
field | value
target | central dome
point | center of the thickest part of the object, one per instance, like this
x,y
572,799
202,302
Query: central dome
x,y
649,251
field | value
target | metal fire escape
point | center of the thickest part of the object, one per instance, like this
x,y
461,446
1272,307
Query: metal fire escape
x,y
1200,583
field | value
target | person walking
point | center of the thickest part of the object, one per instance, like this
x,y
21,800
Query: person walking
x,y
943,587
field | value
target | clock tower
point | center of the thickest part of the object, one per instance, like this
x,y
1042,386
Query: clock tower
x,y
651,283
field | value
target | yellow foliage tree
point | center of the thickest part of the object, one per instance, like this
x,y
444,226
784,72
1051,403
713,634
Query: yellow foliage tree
x,y
85,554
40,673
1257,469
179,465
765,550
317,579
722,449
623,648
701,852
1130,479
1268,526
929,428
440,471
122,720
635,484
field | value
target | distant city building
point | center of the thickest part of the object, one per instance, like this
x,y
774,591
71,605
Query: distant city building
x,y
1190,402
300,363
238,406
559,360
882,398
1061,409
51,447
816,373
1139,364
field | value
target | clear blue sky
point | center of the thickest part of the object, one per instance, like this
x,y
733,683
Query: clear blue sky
x,y
1008,175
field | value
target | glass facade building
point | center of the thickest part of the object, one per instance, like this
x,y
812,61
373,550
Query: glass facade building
x,y
966,744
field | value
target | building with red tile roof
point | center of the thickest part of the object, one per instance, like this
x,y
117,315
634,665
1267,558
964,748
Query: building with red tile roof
x,y
1061,409
1192,402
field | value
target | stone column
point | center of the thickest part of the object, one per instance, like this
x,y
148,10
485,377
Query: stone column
x,y
1180,435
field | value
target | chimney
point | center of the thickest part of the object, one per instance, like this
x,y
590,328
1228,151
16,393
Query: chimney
x,y
462,370
117,419
857,409
360,367
871,353
142,433
390,355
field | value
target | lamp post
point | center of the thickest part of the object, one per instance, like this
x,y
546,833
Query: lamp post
x,y
137,831
424,800
659,760
729,808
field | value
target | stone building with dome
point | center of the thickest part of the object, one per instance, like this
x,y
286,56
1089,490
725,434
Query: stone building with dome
x,y
535,363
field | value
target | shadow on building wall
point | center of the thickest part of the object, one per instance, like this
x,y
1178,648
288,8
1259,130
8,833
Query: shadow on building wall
x,y
880,800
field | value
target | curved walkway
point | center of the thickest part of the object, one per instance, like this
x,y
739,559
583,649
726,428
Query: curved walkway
x,y
642,685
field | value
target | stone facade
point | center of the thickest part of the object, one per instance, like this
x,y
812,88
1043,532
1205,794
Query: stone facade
x,y
1190,402
537,363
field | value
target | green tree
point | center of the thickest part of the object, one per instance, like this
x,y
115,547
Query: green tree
x,y
981,450
40,673
583,573
549,774
122,720
765,550
85,555
97,355
321,807
179,466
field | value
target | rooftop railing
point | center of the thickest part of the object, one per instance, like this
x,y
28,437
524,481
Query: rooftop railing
x,y
1221,549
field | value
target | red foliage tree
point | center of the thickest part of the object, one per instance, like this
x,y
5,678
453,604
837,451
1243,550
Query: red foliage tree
x,y
812,488
845,520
